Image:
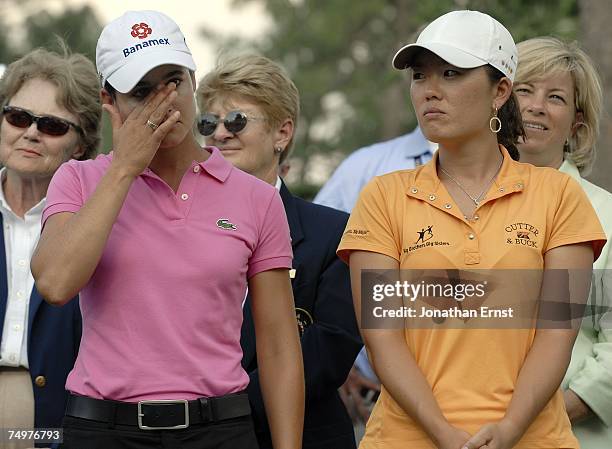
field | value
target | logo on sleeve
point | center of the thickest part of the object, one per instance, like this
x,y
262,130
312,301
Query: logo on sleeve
x,y
522,234
224,223
357,232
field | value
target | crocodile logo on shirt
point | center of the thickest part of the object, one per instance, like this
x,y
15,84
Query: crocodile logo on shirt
x,y
224,223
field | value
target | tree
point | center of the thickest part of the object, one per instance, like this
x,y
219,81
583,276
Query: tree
x,y
596,34
78,27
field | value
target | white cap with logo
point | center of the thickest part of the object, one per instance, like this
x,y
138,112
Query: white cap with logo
x,y
465,39
137,42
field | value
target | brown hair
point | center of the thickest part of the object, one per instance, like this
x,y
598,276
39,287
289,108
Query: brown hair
x,y
510,116
77,82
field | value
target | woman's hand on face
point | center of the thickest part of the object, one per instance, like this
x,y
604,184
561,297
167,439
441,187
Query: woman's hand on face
x,y
499,435
135,142
452,438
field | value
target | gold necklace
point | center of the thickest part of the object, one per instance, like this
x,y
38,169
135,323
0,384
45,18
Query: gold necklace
x,y
476,200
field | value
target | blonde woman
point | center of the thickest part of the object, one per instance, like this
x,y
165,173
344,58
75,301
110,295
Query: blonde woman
x,y
560,95
250,109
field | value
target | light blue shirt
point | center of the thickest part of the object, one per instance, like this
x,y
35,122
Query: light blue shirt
x,y
407,151
343,188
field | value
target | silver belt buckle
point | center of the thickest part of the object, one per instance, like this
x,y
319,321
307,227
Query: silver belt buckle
x,y
163,402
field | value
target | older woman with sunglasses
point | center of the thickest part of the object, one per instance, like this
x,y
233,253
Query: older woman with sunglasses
x,y
250,109
50,114
560,96
163,238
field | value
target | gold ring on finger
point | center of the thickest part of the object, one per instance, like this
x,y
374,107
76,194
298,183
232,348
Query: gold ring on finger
x,y
152,125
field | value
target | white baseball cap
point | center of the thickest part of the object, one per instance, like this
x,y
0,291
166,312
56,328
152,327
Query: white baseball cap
x,y
465,39
138,41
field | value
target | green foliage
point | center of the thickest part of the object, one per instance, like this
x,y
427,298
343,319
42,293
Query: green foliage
x,y
78,27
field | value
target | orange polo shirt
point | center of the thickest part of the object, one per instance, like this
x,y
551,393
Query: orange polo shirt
x,y
408,215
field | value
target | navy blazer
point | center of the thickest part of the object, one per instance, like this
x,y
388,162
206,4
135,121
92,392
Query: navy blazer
x,y
326,319
54,334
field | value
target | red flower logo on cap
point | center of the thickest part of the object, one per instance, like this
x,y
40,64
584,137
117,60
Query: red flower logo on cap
x,y
141,30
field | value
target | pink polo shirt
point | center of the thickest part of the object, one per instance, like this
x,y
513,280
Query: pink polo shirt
x,y
163,310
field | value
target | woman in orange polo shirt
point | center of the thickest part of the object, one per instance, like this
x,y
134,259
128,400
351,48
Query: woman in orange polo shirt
x,y
472,207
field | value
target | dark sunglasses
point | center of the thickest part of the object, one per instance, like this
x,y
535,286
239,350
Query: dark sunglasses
x,y
47,124
234,122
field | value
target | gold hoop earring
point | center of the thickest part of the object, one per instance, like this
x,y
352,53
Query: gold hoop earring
x,y
493,121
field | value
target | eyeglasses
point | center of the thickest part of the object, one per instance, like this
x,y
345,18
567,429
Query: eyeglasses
x,y
234,122
47,124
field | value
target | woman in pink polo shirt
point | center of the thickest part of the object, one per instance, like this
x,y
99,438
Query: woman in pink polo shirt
x,y
162,237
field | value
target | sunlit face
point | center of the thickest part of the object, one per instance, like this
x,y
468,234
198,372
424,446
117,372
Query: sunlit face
x,y
548,109
184,102
451,104
29,152
252,149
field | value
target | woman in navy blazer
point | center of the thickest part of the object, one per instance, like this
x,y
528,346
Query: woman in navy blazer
x,y
50,114
249,111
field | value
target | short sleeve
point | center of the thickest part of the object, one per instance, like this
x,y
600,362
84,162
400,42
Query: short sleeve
x,y
370,225
575,220
65,193
273,248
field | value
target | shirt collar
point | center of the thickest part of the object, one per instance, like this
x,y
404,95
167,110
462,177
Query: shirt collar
x,y
509,179
278,184
216,165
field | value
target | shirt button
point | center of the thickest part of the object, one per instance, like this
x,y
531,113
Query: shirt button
x,y
414,190
447,206
12,357
471,236
22,262
519,186
476,217
40,381
432,197
17,327
184,197
502,190
20,294
196,169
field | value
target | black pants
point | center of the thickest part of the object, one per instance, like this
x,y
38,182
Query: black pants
x,y
236,433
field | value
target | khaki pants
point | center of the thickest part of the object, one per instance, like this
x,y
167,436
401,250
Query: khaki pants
x,y
16,406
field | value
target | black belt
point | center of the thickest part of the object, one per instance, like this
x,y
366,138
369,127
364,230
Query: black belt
x,y
160,414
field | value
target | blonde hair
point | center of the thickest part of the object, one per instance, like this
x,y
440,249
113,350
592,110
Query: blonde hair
x,y
258,79
544,56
